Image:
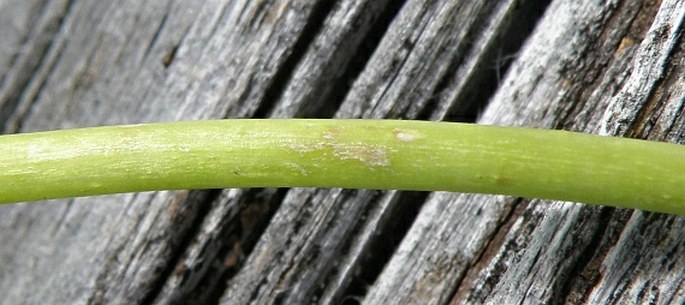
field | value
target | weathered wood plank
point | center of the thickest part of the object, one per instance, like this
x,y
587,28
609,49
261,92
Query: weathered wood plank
x,y
575,72
593,66
136,62
319,239
28,28
307,92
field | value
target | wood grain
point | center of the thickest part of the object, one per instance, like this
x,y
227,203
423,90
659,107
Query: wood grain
x,y
607,67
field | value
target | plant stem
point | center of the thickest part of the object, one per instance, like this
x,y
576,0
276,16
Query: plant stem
x,y
371,154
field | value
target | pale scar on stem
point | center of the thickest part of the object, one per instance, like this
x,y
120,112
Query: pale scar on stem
x,y
371,155
407,135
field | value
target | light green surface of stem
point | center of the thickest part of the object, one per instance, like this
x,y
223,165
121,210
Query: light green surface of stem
x,y
370,154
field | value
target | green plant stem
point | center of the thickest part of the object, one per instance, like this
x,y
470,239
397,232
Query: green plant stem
x,y
370,154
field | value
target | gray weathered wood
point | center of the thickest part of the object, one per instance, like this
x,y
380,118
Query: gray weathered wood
x,y
28,29
303,257
576,71
609,67
137,62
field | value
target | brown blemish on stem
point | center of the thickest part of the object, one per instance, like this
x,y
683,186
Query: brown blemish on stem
x,y
502,181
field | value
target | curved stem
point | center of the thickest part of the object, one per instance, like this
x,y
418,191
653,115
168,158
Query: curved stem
x,y
373,154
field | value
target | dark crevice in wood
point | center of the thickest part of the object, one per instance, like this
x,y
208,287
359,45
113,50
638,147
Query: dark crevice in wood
x,y
38,55
586,272
359,60
223,251
493,245
466,44
202,203
496,59
170,56
274,90
383,247
233,253
156,35
316,261
344,246
583,275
